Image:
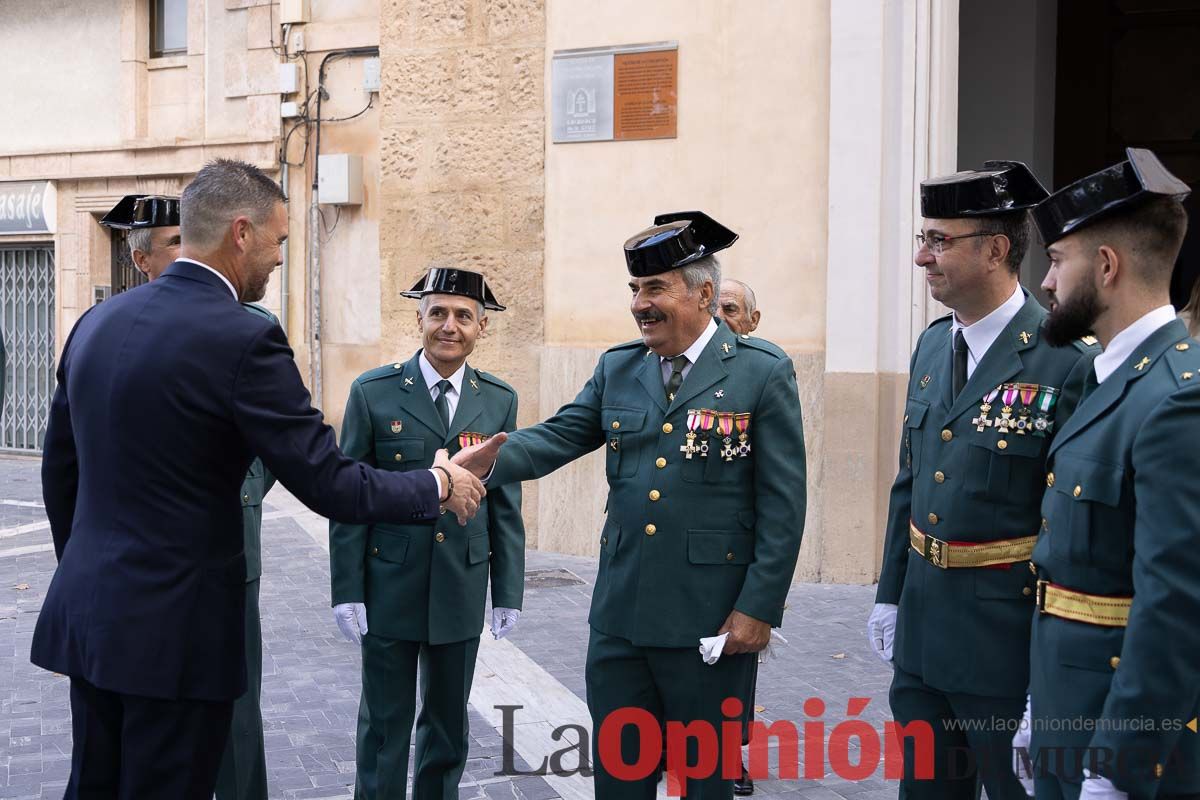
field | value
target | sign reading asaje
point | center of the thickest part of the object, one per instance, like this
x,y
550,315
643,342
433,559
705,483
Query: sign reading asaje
x,y
613,93
27,207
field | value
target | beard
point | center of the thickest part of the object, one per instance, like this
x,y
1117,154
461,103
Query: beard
x,y
1074,318
255,289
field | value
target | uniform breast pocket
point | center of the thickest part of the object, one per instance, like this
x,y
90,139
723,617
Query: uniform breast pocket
x,y
622,429
1087,509
400,454
914,422
1004,469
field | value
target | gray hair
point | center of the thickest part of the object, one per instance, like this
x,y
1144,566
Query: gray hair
x,y
748,293
221,192
480,311
140,239
705,269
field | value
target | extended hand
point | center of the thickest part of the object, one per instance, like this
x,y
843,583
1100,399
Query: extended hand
x,y
479,458
881,630
351,619
503,621
466,493
746,634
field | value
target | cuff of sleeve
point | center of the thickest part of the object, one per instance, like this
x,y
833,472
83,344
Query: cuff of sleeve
x,y
441,488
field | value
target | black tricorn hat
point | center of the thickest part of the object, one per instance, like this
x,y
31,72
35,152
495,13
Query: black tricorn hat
x,y
674,241
441,280
1000,187
143,211
1139,178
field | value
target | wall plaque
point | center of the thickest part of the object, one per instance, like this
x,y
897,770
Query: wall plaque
x,y
603,94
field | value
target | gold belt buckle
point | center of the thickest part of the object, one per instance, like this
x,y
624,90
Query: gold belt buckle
x,y
1041,595
935,551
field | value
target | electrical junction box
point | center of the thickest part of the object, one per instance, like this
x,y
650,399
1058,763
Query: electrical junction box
x,y
289,109
372,80
292,12
339,179
289,78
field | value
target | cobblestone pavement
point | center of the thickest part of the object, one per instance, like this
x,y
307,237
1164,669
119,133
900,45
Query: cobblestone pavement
x,y
311,677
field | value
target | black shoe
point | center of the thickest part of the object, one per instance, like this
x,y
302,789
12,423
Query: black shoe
x,y
743,786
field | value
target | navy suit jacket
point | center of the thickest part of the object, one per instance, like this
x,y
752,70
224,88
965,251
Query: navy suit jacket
x,y
164,393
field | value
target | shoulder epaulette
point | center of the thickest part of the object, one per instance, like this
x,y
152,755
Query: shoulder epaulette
x,y
1087,344
630,345
761,345
492,379
393,370
1183,358
258,310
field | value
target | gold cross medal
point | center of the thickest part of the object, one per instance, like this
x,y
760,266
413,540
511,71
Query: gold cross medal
x,y
725,426
742,423
1027,391
706,423
397,426
1006,422
1042,424
689,448
983,420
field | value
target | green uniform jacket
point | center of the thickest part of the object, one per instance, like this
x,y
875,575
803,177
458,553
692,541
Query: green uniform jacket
x,y
967,629
686,541
259,481
1123,519
427,582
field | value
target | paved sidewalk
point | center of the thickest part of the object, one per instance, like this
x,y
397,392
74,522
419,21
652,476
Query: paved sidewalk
x,y
311,677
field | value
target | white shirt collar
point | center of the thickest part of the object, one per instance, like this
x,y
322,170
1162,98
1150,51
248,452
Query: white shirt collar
x,y
693,352
224,280
433,377
1125,342
981,335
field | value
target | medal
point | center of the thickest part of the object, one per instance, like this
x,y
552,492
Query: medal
x,y
725,425
742,422
706,422
689,448
983,420
1006,422
1042,424
1027,392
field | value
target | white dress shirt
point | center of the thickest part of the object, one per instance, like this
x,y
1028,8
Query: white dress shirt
x,y
433,377
224,280
692,353
982,335
1125,342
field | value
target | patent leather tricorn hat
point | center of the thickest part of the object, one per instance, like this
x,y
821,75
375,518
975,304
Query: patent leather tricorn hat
x,y
442,280
675,240
998,188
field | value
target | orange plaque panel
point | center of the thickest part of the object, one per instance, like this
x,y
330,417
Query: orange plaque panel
x,y
645,104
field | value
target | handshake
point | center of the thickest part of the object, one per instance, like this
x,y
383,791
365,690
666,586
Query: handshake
x,y
464,474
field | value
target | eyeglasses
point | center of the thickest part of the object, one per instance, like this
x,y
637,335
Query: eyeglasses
x,y
937,242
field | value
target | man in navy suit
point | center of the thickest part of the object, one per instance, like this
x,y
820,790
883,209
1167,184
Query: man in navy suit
x,y
165,394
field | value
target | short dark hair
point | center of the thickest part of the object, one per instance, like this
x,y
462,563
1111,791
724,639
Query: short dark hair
x,y
1152,232
1015,226
223,190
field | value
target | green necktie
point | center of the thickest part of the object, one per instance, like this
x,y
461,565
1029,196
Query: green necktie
x,y
443,408
676,379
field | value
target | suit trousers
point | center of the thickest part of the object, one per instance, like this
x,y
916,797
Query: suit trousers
x,y
128,747
243,772
968,744
387,708
674,685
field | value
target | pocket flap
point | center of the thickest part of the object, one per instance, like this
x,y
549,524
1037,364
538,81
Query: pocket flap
x,y
1010,445
395,452
615,419
1093,481
388,546
479,548
914,413
720,547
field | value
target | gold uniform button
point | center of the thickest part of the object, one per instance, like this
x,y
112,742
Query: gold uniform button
x,y
397,366
947,435
729,556
668,427
245,498
651,530
655,494
1181,346
939,477
399,456
1002,444
1049,479
1114,662
1158,770
374,551
441,537
615,424
1078,490
1027,591
933,519
660,462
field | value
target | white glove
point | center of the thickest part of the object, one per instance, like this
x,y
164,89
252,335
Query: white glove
x,y
1022,767
881,630
711,647
503,621
1097,787
351,619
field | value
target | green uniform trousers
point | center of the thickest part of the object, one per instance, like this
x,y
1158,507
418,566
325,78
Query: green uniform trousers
x,y
385,717
243,772
972,738
674,685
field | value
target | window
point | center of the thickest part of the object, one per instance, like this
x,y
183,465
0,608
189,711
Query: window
x,y
168,28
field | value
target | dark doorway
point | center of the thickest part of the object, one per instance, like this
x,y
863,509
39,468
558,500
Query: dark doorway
x,y
124,274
